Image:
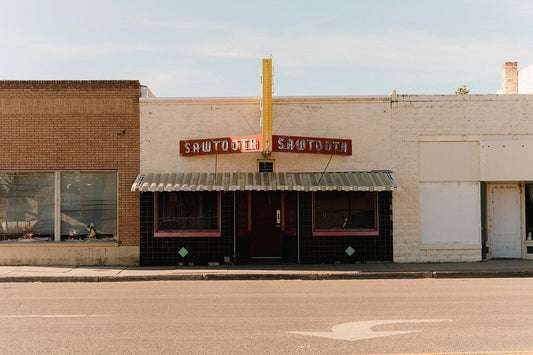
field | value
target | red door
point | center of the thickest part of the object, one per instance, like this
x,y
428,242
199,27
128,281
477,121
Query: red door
x,y
266,224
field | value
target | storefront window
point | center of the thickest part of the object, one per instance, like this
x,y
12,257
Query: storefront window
x,y
345,213
87,209
26,206
187,214
88,205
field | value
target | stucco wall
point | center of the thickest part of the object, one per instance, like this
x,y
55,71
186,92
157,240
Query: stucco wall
x,y
525,80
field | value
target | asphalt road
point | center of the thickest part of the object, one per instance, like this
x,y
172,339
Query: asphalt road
x,y
269,317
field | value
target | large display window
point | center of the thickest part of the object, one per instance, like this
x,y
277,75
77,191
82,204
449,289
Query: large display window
x,y
345,213
188,214
86,208
26,206
88,205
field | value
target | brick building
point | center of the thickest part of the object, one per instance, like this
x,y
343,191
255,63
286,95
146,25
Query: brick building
x,y
70,150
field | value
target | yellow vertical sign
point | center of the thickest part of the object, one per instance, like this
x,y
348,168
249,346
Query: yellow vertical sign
x,y
266,112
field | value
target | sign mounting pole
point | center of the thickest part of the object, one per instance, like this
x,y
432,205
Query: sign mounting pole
x,y
266,111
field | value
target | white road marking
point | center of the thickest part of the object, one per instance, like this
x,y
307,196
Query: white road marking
x,y
354,331
53,315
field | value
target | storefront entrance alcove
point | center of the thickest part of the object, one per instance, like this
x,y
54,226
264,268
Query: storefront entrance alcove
x,y
529,221
266,235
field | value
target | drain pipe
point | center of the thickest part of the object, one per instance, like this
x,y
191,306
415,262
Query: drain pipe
x,y
234,227
298,222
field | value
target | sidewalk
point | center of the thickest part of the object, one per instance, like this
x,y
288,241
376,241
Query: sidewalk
x,y
492,268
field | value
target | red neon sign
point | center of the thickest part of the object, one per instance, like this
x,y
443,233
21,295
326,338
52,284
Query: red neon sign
x,y
250,144
225,145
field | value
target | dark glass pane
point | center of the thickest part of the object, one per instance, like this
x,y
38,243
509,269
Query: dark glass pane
x,y
187,211
344,210
362,214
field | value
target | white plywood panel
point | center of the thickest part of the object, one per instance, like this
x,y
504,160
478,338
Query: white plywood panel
x,y
506,160
450,213
449,161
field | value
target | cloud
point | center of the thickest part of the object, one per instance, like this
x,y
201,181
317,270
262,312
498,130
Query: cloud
x,y
178,25
53,49
165,80
418,50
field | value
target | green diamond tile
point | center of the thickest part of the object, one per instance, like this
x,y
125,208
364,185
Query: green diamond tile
x,y
183,252
350,251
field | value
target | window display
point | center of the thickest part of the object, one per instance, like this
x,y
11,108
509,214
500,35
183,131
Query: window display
x,y
88,205
87,210
26,206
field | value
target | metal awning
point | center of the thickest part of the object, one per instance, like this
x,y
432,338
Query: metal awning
x,y
376,180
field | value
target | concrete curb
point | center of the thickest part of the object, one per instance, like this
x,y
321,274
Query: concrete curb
x,y
465,274
376,275
261,276
448,274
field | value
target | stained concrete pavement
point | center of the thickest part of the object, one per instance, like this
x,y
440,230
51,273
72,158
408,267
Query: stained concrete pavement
x,y
493,268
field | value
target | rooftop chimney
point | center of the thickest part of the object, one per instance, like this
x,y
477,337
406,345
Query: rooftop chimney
x,y
509,78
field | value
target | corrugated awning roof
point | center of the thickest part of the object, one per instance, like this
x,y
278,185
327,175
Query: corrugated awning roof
x,y
377,180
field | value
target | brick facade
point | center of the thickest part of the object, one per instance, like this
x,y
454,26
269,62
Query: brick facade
x,y
75,125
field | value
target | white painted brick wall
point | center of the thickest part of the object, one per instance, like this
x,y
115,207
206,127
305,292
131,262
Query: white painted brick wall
x,y
474,116
385,135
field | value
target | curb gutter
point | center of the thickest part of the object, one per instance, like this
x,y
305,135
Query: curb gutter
x,y
278,276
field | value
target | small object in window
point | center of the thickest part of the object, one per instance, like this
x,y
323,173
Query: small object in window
x,y
27,230
345,222
91,230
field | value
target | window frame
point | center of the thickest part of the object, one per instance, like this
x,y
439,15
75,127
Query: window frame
x,y
186,233
352,231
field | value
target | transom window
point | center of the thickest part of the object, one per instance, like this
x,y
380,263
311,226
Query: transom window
x,y
187,214
345,213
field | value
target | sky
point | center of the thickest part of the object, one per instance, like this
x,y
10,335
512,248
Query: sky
x,y
201,48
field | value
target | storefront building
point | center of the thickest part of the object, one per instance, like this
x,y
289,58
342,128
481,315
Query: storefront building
x,y
423,178
70,150
91,173
322,195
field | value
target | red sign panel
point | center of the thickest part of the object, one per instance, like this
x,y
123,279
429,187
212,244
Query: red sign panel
x,y
247,144
296,144
221,145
